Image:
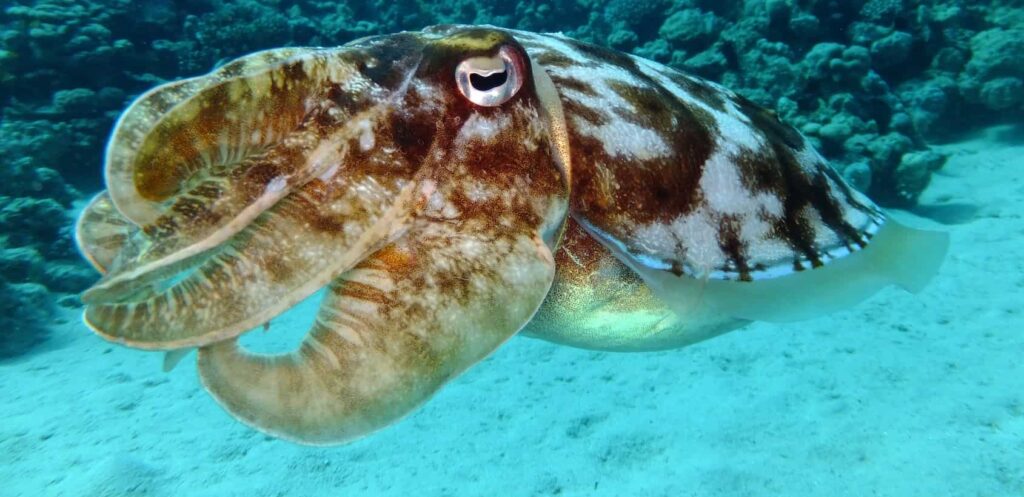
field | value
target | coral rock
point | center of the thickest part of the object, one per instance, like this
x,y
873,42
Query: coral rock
x,y
892,50
1002,93
690,27
858,175
914,172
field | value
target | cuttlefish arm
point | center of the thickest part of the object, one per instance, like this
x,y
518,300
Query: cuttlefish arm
x,y
389,333
101,232
286,255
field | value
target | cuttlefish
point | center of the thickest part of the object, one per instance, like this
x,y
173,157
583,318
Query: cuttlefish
x,y
448,189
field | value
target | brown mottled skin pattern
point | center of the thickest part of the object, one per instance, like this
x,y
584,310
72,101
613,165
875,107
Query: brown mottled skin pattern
x,y
433,220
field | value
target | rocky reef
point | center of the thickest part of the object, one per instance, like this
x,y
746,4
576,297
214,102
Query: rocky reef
x,y
38,260
869,81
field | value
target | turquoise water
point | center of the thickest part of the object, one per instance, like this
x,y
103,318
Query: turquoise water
x,y
918,104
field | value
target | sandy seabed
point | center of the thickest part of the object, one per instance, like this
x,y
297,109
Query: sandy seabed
x,y
903,395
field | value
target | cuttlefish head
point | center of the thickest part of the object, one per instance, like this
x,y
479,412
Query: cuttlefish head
x,y
422,178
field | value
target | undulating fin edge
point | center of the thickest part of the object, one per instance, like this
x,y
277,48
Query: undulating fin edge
x,y
896,255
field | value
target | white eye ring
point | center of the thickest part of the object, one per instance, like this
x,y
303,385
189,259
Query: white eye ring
x,y
490,81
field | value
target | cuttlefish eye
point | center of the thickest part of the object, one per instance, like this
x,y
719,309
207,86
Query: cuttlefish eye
x,y
490,81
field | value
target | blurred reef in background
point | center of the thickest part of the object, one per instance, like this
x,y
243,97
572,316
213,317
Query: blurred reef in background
x,y
871,82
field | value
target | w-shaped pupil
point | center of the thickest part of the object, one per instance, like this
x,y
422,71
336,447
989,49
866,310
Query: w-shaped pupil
x,y
484,83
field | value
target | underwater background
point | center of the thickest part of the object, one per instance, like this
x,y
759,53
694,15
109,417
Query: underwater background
x,y
920,104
